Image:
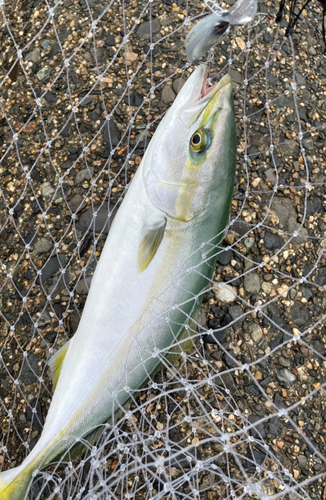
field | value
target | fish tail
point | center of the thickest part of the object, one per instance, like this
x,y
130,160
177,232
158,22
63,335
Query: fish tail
x,y
15,483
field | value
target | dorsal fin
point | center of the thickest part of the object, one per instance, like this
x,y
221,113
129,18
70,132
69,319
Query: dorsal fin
x,y
55,363
149,244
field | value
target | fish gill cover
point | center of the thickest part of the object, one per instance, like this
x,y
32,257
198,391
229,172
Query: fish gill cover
x,y
84,86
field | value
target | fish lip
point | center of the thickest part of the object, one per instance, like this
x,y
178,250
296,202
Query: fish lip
x,y
226,80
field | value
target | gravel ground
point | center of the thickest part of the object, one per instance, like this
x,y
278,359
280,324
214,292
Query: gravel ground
x,y
69,161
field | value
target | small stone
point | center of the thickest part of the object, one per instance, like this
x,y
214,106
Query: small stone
x,y
131,56
85,102
30,369
34,56
110,41
43,73
45,43
271,175
266,287
284,361
177,84
83,285
252,283
258,375
102,221
147,27
84,174
168,95
256,332
235,311
286,377
321,278
42,246
47,189
50,96
225,293
111,134
296,473
273,241
249,242
302,460
300,315
258,431
235,76
75,204
224,258
52,267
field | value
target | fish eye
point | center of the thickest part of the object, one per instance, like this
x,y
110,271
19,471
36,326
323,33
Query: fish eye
x,y
199,141
219,29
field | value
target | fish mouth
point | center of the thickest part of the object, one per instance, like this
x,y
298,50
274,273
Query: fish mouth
x,y
199,96
226,80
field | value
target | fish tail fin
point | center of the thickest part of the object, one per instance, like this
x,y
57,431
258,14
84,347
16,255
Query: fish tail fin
x,y
15,483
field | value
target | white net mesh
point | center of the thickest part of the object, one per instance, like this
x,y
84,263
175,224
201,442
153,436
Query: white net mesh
x,y
84,85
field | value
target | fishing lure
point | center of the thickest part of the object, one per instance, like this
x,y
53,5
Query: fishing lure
x,y
210,30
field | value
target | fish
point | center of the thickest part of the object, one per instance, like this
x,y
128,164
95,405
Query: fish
x,y
211,29
155,266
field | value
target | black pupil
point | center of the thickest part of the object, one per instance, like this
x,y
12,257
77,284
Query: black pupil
x,y
196,139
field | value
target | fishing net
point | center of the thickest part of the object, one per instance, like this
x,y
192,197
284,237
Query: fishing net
x,y
242,414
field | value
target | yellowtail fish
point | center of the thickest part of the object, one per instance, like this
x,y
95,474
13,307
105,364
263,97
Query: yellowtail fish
x,y
156,263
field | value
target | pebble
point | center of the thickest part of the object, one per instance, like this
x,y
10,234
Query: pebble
x,y
224,258
34,56
266,287
286,362
102,222
47,189
258,430
321,277
75,204
235,311
256,332
177,84
111,134
285,376
271,175
42,246
144,29
30,369
273,241
225,293
43,73
300,315
131,56
252,283
167,95
110,41
84,174
45,43
249,242
51,267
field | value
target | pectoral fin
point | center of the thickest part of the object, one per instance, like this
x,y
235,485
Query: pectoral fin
x,y
55,363
149,244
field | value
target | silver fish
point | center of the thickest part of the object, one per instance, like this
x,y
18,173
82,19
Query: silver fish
x,y
143,293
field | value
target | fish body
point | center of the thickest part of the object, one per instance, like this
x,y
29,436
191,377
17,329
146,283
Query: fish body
x,y
159,255
210,30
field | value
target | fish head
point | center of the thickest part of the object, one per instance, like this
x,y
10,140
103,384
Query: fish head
x,y
205,34
193,151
